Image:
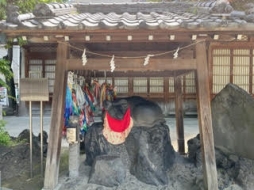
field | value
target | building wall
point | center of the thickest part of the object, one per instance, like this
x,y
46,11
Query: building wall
x,y
3,51
14,65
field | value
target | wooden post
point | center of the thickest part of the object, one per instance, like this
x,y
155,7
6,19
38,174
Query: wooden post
x,y
166,90
205,118
179,114
130,86
55,134
166,94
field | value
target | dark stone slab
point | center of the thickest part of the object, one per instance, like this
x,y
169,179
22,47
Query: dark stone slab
x,y
95,143
194,150
143,112
229,166
108,171
233,121
151,154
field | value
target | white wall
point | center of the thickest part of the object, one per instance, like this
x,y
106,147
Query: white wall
x,y
16,63
3,51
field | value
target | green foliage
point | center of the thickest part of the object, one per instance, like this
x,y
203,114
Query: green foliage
x,y
28,5
19,41
25,6
3,4
6,71
5,138
240,4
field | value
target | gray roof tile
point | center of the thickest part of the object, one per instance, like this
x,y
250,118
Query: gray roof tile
x,y
129,16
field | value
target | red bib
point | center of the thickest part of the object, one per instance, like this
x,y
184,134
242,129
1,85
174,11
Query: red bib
x,y
118,125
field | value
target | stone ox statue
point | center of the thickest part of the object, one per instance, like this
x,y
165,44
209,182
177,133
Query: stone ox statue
x,y
133,135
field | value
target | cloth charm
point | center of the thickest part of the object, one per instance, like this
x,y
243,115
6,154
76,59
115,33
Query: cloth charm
x,y
84,59
176,53
112,64
147,59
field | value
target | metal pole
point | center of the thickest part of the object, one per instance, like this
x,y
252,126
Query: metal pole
x,y
1,112
0,181
41,105
31,140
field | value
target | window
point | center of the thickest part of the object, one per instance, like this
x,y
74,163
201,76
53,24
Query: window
x,y
50,66
121,85
171,85
189,83
156,85
241,68
140,85
221,69
43,68
35,68
232,65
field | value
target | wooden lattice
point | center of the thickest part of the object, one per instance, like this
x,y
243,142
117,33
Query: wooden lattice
x,y
41,48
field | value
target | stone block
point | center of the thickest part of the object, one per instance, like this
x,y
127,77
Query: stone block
x,y
233,121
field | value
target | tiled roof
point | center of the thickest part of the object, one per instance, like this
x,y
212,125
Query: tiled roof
x,y
100,1
170,15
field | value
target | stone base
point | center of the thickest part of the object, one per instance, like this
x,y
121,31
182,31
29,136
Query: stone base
x,y
4,188
56,188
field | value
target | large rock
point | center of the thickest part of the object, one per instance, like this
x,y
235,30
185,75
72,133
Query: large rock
x,y
221,7
151,154
24,136
143,112
230,167
147,152
233,121
95,143
108,171
194,151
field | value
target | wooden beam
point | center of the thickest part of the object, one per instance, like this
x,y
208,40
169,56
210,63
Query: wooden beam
x,y
123,37
155,64
98,36
238,44
55,134
179,114
144,73
40,55
251,71
205,118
